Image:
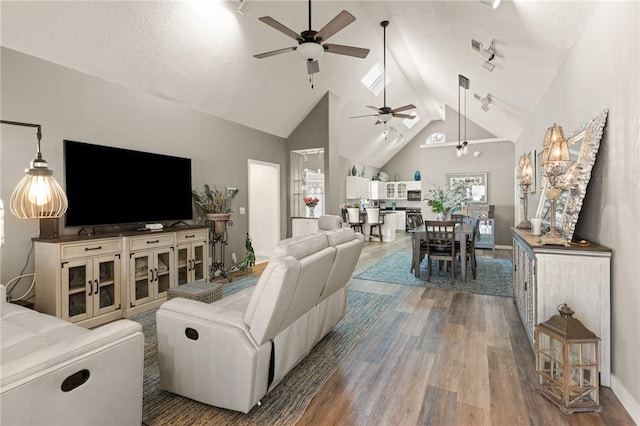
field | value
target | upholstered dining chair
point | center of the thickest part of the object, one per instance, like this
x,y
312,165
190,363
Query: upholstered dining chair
x,y
373,220
440,245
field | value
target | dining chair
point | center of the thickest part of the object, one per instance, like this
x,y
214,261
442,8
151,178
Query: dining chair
x,y
440,245
458,217
373,220
471,246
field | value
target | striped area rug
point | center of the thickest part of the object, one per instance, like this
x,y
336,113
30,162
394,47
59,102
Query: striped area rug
x,y
287,402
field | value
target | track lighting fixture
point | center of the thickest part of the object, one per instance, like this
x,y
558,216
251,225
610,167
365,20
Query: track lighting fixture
x,y
485,101
489,53
461,148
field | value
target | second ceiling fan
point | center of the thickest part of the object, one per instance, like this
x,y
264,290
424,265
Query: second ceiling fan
x,y
310,42
385,113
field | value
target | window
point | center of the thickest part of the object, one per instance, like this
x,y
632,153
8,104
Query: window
x,y
410,122
373,79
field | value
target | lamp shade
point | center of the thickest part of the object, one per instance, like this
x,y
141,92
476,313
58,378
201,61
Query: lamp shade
x,y
525,169
556,148
38,195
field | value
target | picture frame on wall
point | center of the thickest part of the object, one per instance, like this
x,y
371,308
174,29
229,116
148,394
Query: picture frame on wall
x,y
475,185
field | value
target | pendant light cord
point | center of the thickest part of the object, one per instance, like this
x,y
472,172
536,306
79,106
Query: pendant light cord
x,y
384,63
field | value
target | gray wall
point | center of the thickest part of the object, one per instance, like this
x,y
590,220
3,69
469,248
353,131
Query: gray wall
x,y
601,72
451,126
434,163
72,105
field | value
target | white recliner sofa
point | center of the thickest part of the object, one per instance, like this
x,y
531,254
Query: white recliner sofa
x,y
54,372
232,352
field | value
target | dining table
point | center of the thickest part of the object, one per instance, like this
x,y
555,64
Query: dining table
x,y
463,231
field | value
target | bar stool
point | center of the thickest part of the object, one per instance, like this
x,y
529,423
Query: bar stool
x,y
354,218
373,220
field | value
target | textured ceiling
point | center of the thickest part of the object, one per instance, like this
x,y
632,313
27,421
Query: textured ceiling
x,y
200,53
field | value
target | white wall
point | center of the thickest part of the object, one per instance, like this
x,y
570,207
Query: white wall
x,y
72,105
602,72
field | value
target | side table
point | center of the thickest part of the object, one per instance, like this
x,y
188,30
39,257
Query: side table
x,y
200,290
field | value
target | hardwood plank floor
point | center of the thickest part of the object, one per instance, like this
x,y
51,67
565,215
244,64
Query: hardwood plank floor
x,y
439,357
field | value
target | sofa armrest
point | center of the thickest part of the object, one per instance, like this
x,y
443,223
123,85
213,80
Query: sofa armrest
x,y
206,311
40,360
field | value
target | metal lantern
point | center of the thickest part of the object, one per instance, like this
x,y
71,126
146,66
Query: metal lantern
x,y
567,362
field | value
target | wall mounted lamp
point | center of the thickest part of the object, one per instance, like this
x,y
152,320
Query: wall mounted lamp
x,y
461,148
38,195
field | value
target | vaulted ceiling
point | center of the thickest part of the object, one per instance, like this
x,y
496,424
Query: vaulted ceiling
x,y
200,54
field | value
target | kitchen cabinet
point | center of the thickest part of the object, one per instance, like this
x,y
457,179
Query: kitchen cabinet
x,y
80,281
401,221
396,190
377,190
151,269
357,187
192,254
414,185
545,277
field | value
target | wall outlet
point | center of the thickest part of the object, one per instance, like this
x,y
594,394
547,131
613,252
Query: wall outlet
x,y
241,210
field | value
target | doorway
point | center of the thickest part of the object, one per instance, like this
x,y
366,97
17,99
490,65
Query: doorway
x,y
264,207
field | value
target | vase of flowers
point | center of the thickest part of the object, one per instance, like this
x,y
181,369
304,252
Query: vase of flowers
x,y
311,202
444,201
216,205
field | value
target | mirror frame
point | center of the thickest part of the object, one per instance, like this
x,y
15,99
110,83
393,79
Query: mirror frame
x,y
590,134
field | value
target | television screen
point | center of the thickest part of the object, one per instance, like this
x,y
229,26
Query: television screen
x,y
107,186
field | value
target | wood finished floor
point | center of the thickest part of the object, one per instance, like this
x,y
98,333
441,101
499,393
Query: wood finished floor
x,y
440,357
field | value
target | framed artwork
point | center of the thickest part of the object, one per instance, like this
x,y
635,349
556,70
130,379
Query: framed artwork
x,y
474,184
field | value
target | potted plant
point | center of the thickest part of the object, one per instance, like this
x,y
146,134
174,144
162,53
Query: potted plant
x,y
216,205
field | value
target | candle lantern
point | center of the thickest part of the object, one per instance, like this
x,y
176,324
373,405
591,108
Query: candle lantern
x,y
567,362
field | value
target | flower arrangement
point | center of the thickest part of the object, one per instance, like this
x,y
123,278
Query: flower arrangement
x,y
213,201
311,201
445,200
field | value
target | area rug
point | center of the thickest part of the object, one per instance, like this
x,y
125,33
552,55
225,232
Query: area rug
x,y
287,402
494,276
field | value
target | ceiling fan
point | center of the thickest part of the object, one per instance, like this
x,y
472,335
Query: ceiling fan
x,y
310,42
385,113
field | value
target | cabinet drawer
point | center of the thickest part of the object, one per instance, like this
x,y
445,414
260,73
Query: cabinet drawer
x,y
192,235
150,241
90,248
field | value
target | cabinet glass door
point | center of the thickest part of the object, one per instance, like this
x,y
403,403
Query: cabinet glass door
x,y
401,191
107,277
163,272
77,289
199,262
141,276
184,264
391,191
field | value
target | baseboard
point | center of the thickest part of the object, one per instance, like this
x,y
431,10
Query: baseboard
x,y
627,401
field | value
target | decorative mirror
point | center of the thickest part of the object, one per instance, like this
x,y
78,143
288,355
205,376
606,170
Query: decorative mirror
x,y
583,147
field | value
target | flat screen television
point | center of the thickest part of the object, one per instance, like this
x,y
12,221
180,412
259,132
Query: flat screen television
x,y
110,186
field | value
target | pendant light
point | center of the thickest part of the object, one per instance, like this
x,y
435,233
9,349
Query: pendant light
x,y
461,148
38,195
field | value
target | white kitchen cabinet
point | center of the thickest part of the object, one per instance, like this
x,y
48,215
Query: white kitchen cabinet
x,y
414,185
357,187
545,277
396,190
377,190
79,281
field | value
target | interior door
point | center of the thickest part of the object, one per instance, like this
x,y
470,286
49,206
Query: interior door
x,y
264,206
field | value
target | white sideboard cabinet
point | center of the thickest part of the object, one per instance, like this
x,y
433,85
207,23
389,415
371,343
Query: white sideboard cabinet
x,y
545,277
92,280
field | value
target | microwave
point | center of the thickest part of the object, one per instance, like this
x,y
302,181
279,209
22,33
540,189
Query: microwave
x,y
414,195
